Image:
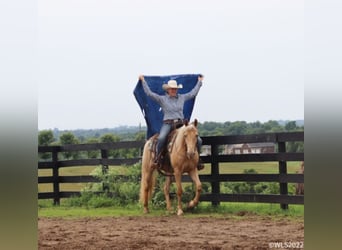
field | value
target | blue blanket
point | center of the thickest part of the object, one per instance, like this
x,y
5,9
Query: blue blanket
x,y
151,110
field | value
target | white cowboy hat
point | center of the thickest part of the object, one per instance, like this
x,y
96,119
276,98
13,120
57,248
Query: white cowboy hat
x,y
172,84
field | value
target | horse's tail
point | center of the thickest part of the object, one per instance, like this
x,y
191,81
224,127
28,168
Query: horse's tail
x,y
148,178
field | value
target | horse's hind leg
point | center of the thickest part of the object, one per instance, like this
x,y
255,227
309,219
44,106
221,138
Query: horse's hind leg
x,y
167,185
194,176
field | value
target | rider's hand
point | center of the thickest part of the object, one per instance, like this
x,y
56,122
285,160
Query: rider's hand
x,y
200,78
141,78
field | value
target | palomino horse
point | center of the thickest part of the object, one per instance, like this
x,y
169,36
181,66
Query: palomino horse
x,y
183,159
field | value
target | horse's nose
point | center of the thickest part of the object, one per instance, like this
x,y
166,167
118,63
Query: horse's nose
x,y
190,154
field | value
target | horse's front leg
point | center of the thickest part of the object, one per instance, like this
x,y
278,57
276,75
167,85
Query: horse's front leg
x,y
167,185
178,178
195,178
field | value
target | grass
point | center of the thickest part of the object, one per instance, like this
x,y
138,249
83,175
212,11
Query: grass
x,y
240,209
204,209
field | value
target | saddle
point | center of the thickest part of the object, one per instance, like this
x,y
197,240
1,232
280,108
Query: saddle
x,y
165,152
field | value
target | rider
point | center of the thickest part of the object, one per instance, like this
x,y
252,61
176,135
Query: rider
x,y
172,105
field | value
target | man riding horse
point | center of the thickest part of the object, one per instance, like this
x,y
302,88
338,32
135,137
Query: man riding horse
x,y
172,104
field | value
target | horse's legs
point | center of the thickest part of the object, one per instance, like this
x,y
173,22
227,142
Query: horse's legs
x,y
167,192
195,178
146,182
178,178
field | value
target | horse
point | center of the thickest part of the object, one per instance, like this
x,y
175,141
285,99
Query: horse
x,y
183,158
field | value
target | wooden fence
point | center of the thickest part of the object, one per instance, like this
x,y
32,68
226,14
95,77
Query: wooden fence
x,y
214,158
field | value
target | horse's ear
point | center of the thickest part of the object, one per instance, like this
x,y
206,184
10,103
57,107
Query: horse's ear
x,y
195,122
186,122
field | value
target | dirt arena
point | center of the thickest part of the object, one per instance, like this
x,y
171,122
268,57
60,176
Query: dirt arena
x,y
242,231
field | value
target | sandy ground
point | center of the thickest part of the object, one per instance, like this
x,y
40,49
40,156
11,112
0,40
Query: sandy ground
x,y
170,232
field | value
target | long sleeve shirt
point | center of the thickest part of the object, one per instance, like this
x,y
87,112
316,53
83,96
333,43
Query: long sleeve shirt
x,y
172,106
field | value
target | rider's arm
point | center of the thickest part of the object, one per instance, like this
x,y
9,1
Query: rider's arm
x,y
148,91
195,90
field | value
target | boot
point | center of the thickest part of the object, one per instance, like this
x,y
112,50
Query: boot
x,y
200,165
156,161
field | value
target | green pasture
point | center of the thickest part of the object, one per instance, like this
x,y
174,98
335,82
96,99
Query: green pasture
x,y
224,168
68,171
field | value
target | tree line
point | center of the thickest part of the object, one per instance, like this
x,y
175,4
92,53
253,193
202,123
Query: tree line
x,y
243,128
48,138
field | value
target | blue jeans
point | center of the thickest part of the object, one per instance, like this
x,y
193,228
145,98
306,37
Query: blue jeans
x,y
162,137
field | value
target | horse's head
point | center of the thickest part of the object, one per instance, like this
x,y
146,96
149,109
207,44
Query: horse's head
x,y
190,134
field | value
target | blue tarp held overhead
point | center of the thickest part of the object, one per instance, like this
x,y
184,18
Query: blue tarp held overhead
x,y
151,110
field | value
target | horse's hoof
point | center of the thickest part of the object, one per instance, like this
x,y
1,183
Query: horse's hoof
x,y
180,212
191,204
146,211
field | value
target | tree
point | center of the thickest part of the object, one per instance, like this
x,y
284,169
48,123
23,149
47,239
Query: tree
x,y
45,138
69,138
111,138
290,126
93,153
271,126
238,128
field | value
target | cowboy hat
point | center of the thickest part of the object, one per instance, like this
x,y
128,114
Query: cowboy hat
x,y
172,84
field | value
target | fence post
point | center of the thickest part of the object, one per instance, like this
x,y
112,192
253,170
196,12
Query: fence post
x,y
283,170
55,176
104,155
215,186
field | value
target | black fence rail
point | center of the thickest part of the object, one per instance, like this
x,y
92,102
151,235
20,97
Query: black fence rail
x,y
215,157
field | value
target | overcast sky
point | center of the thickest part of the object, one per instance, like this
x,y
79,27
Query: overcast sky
x,y
90,54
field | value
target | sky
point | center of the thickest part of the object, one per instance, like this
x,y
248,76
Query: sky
x,y
89,55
